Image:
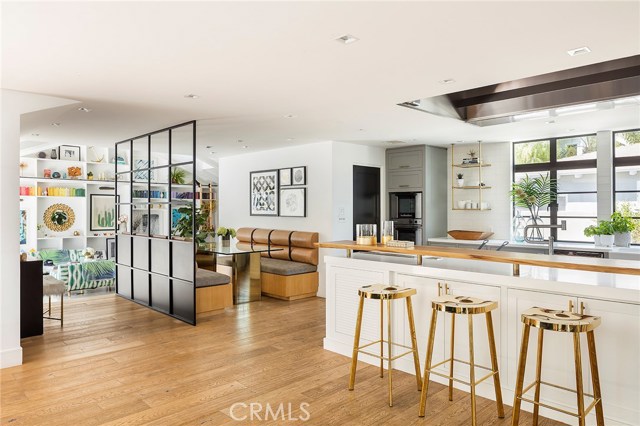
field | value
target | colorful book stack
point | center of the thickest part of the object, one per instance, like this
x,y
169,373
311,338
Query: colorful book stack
x,y
54,191
27,190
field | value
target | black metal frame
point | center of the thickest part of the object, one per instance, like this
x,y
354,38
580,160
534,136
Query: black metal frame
x,y
553,166
72,146
305,176
304,199
277,192
131,182
621,162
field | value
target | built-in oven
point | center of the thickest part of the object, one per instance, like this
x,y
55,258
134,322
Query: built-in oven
x,y
405,205
408,230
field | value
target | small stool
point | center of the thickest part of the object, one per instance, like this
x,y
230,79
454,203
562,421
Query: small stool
x,y
50,287
468,306
388,293
567,322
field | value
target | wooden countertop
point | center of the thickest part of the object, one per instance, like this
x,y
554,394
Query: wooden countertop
x,y
613,266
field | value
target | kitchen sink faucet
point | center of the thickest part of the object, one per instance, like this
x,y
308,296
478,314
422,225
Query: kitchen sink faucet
x,y
563,226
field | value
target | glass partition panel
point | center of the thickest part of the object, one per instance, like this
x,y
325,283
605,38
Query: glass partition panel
x,y
159,220
160,148
141,163
141,222
122,158
181,220
182,139
124,219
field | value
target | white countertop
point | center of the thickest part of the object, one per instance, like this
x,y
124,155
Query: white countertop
x,y
560,245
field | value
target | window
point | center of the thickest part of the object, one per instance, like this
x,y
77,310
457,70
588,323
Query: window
x,y
626,180
571,162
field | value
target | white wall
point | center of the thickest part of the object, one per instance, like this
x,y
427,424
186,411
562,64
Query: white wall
x,y
13,104
498,177
329,188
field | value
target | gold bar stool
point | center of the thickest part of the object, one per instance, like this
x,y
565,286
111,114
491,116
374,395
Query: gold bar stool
x,y
468,306
567,322
383,292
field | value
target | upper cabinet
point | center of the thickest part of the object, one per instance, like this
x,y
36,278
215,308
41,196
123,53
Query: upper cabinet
x,y
402,159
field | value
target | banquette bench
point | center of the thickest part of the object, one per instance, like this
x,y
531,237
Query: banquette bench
x,y
290,273
213,291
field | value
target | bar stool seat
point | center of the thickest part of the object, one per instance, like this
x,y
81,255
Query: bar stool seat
x,y
565,322
50,287
385,293
469,306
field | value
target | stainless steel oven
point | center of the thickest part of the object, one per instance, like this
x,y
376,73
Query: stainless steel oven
x,y
408,230
405,205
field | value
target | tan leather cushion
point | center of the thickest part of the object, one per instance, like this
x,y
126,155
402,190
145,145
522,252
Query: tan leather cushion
x,y
302,243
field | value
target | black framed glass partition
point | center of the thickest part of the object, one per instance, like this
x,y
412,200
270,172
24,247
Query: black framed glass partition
x,y
156,202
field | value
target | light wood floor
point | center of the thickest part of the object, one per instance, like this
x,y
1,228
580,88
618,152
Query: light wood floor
x,y
118,363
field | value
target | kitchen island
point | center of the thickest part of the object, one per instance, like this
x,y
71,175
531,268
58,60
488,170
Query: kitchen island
x,y
613,296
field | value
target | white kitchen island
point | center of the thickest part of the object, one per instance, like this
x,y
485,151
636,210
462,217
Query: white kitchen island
x,y
614,297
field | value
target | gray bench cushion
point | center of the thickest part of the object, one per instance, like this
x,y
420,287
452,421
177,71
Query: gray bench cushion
x,y
285,267
206,278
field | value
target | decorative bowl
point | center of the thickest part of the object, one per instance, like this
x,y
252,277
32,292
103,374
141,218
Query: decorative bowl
x,y
469,235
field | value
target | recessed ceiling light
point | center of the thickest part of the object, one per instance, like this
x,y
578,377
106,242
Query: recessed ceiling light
x,y
244,147
579,51
84,109
289,139
191,96
212,152
56,124
289,116
447,81
35,134
347,39
209,146
549,122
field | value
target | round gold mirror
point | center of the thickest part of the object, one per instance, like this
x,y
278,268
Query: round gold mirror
x,y
59,217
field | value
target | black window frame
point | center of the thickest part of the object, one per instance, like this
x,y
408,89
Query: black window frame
x,y
622,162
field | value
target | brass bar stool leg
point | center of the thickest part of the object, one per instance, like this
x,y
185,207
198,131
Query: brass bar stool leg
x,y
522,361
390,355
381,338
494,365
536,408
595,376
579,389
452,351
427,365
414,343
472,373
356,345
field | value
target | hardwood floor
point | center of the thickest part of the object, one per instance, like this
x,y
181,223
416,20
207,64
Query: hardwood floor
x,y
117,363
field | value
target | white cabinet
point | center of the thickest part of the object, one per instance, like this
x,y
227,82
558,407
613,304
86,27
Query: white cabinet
x,y
618,348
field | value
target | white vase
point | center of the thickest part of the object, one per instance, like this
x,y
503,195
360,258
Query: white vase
x,y
606,240
460,182
622,239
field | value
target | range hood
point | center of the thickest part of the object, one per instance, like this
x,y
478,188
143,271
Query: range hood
x,y
604,85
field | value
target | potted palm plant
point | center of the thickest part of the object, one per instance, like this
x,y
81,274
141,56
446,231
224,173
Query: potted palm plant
x,y
533,194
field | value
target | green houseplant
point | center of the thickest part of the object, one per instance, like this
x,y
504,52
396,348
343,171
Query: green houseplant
x,y
184,225
178,176
533,194
623,225
605,230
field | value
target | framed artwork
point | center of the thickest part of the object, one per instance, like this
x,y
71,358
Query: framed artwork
x,y
143,223
293,202
299,175
102,212
111,248
69,152
23,227
285,177
264,193
140,174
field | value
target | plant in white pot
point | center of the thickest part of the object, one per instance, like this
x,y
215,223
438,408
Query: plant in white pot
x,y
592,231
460,177
605,228
622,228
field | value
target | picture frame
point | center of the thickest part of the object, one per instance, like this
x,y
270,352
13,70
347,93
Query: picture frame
x,y
285,177
298,176
293,202
111,248
102,212
263,193
69,152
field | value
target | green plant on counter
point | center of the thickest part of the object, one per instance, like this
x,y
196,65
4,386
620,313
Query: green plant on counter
x,y
178,176
590,231
226,232
621,223
605,227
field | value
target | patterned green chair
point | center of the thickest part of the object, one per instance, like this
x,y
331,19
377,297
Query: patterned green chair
x,y
78,275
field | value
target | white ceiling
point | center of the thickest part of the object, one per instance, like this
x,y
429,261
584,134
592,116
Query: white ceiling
x,y
253,63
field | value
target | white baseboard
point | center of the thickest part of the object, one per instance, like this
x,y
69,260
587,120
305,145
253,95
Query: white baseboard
x,y
11,357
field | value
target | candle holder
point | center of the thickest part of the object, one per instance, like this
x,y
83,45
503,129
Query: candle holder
x,y
366,234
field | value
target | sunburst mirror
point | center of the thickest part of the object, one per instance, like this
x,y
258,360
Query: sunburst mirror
x,y
59,217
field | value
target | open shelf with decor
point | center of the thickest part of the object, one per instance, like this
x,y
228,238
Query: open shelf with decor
x,y
473,162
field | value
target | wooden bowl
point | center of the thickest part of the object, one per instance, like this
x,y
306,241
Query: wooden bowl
x,y
469,235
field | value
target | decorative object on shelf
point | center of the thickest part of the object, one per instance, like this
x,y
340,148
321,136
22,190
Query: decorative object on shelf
x,y
39,230
102,211
23,166
178,176
387,231
76,233
460,177
299,175
46,173
54,154
264,193
59,217
532,194
95,157
69,152
74,172
90,176
89,253
285,177
623,225
293,202
462,204
366,234
111,248
122,222
56,175
119,160
517,227
42,154
23,227
141,173
469,235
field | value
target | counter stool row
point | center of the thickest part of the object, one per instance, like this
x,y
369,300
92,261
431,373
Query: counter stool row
x,y
543,319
